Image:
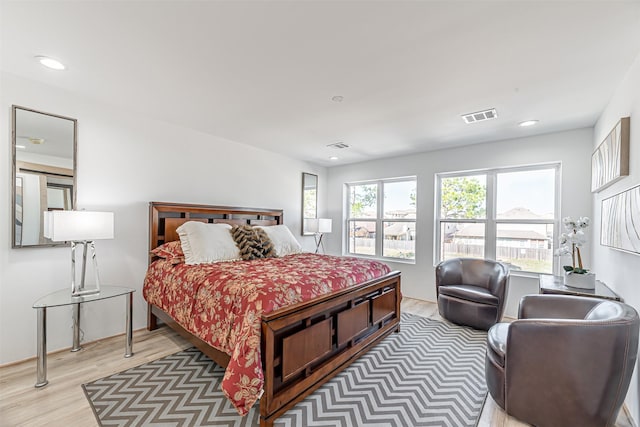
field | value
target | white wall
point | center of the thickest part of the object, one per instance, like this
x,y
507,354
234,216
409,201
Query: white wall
x,y
618,269
126,160
572,148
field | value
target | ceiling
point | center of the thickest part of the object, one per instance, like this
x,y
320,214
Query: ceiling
x,y
43,135
264,72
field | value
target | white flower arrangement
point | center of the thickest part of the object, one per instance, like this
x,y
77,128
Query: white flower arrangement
x,y
571,241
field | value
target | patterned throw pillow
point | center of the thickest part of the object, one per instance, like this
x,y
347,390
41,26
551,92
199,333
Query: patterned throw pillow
x,y
252,242
171,251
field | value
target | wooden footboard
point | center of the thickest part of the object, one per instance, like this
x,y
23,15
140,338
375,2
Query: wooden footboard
x,y
305,345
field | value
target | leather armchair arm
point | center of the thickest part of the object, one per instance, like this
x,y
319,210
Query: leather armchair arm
x,y
499,281
448,273
555,307
561,359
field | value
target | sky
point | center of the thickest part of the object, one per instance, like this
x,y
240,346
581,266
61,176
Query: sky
x,y
397,195
533,190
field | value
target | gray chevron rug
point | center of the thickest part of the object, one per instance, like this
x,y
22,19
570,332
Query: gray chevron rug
x,y
429,374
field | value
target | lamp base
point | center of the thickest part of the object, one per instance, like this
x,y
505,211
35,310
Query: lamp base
x,y
80,290
319,243
85,292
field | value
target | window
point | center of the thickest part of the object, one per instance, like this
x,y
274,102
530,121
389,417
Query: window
x,y
381,218
506,214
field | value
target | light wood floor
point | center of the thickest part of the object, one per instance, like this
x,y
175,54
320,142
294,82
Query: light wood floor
x,y
62,402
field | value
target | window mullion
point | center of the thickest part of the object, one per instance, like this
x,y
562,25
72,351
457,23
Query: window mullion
x,y
380,216
555,267
491,228
437,233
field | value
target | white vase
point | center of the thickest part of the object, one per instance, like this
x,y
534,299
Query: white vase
x,y
582,281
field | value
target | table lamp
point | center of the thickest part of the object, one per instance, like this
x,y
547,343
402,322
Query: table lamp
x,y
79,227
319,227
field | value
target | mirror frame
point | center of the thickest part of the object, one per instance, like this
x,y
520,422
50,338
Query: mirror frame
x,y
305,176
14,109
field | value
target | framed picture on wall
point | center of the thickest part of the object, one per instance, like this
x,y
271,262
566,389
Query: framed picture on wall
x,y
610,161
620,226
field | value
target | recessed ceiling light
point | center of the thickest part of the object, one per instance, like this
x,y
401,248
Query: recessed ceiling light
x,y
333,158
54,64
528,123
20,147
337,98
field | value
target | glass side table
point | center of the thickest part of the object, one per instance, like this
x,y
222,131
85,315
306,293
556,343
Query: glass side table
x,y
62,298
555,285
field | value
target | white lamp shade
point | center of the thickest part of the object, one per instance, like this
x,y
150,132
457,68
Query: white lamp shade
x,y
77,226
319,225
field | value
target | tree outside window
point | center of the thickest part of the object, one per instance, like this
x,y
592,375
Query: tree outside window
x,y
463,197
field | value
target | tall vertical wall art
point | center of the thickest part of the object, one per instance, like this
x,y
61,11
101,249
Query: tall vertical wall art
x,y
610,161
620,227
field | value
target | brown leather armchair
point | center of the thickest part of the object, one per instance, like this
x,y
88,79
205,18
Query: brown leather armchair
x,y
471,291
566,361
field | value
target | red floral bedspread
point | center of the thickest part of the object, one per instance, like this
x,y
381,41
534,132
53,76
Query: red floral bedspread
x,y
222,303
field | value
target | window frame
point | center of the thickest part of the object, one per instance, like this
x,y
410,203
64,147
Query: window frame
x,y
490,220
379,219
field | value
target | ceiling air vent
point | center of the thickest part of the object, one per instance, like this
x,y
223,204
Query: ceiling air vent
x,y
338,145
480,116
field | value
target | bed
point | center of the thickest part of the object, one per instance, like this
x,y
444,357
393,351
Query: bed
x,y
303,345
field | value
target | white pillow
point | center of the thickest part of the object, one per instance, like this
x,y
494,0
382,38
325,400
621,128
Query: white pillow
x,y
206,243
282,239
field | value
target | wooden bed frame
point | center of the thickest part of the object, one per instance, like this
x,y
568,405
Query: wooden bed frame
x,y
303,345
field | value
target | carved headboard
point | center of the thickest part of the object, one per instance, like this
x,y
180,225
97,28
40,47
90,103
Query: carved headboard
x,y
164,218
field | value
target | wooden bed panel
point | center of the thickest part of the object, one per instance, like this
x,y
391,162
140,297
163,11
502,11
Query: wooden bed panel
x,y
171,225
384,305
230,221
165,218
284,392
353,322
305,347
263,222
336,328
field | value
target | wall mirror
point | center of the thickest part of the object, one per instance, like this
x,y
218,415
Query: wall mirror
x,y
309,199
43,172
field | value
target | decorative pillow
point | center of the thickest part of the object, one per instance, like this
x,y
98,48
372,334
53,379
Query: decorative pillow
x,y
252,242
206,243
171,251
283,240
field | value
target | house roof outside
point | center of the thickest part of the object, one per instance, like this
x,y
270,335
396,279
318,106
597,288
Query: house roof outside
x,y
394,229
401,213
523,213
477,231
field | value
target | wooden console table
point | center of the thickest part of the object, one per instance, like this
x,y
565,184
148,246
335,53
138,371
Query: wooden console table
x,y
555,285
